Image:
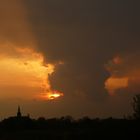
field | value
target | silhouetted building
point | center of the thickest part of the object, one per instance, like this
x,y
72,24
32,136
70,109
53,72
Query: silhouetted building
x,y
18,121
19,112
19,118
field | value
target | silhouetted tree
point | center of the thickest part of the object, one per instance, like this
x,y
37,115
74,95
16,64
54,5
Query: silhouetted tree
x,y
41,119
136,106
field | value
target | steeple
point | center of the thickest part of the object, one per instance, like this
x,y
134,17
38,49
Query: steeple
x,y
19,112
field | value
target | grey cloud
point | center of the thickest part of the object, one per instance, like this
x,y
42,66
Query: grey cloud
x,y
85,34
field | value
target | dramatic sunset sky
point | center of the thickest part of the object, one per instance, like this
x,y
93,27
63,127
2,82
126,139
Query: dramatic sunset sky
x,y
69,57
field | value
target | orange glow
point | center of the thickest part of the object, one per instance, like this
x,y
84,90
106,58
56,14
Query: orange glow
x,y
51,95
112,84
27,69
116,80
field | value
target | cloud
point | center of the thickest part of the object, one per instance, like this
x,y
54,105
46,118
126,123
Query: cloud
x,y
22,66
85,36
26,69
125,73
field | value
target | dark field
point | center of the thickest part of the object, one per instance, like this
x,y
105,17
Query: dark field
x,y
68,129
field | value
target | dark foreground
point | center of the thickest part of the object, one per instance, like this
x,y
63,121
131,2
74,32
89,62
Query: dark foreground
x,y
68,129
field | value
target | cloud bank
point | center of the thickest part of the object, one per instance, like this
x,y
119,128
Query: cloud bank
x,y
86,36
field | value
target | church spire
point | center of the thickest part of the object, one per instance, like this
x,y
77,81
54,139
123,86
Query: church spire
x,y
19,112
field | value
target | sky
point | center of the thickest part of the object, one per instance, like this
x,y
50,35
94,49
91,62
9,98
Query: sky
x,y
77,57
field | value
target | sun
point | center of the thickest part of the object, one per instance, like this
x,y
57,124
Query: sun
x,y
51,95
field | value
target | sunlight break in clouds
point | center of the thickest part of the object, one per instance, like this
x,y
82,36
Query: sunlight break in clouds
x,y
27,68
115,81
124,74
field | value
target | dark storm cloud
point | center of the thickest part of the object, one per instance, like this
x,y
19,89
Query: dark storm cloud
x,y
85,35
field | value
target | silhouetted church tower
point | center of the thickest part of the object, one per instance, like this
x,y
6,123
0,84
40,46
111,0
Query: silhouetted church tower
x,y
19,112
